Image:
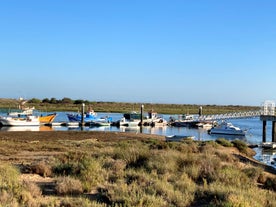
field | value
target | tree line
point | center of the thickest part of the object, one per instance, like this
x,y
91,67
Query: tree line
x,y
64,100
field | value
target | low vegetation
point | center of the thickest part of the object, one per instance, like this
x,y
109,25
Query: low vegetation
x,y
67,104
136,172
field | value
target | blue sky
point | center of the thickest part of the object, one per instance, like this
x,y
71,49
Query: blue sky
x,y
148,51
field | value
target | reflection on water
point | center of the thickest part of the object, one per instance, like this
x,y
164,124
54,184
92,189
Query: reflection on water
x,y
26,128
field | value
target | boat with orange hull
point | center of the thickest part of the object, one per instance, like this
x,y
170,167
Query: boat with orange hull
x,y
47,119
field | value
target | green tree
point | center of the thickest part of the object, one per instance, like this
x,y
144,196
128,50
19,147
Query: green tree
x,y
34,100
53,101
66,101
45,100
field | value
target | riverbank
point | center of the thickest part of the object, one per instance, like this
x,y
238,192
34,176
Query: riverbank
x,y
69,168
121,107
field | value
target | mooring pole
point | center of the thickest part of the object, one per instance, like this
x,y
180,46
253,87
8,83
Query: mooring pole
x,y
273,131
141,118
82,114
200,111
264,131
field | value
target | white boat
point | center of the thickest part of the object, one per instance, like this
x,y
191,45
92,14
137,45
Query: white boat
x,y
177,138
20,121
101,122
227,128
183,120
25,112
153,119
129,122
269,145
205,124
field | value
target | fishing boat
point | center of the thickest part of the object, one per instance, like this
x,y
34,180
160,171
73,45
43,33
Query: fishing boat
x,y
25,112
227,128
131,119
183,120
47,119
153,119
20,121
89,116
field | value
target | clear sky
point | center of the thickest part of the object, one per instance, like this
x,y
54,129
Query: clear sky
x,y
148,51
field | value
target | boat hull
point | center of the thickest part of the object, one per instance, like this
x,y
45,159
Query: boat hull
x,y
225,132
47,119
177,138
29,121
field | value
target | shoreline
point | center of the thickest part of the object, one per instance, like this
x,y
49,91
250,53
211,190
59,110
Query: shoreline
x,y
34,137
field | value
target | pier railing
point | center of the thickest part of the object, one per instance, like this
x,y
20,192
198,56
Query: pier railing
x,y
234,115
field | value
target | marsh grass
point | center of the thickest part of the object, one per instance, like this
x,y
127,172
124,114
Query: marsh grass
x,y
142,173
68,186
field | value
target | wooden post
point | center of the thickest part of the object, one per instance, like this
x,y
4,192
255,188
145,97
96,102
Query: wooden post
x,y
273,131
82,114
200,111
141,119
264,131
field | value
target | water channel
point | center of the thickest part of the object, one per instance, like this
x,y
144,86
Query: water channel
x,y
253,136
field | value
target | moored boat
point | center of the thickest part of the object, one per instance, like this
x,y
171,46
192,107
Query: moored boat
x,y
183,120
47,119
227,128
24,112
153,119
177,138
20,121
269,145
89,116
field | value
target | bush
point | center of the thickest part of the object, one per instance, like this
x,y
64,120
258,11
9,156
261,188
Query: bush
x,y
224,142
240,145
9,180
68,186
42,169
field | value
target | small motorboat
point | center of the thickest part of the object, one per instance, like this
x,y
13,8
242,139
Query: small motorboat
x,y
269,145
89,116
177,138
227,128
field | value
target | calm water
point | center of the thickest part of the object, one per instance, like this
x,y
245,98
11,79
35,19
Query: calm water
x,y
253,136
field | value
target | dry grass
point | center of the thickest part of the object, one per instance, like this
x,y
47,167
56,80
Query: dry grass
x,y
91,170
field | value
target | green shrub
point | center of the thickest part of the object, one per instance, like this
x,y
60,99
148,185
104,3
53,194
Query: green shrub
x,y
224,142
240,145
270,184
253,173
135,155
92,173
9,180
68,186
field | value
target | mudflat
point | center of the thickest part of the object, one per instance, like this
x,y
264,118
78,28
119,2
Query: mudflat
x,y
29,146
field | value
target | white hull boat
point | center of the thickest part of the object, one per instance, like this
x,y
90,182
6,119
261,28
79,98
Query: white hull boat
x,y
227,129
20,121
129,123
177,138
269,145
